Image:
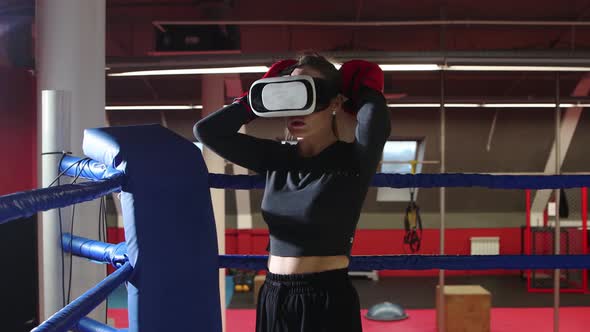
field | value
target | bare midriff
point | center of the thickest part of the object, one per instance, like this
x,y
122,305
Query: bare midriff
x,y
306,264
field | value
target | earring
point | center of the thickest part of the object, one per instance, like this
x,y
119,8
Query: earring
x,y
288,136
334,124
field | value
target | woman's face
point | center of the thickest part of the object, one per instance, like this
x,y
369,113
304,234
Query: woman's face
x,y
318,123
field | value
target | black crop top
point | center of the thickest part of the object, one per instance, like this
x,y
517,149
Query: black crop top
x,y
311,204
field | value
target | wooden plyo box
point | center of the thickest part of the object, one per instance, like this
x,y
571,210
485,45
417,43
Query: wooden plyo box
x,y
466,308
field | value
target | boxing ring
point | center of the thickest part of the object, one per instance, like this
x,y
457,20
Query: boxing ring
x,y
171,272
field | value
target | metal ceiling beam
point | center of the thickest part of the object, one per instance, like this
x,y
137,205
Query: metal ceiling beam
x,y
492,99
516,58
392,98
538,23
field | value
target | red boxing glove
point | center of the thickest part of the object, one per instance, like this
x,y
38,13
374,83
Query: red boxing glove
x,y
277,69
357,74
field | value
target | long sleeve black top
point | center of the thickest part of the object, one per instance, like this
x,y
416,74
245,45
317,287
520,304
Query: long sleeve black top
x,y
310,204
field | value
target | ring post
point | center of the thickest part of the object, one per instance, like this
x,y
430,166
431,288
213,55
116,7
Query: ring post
x,y
55,133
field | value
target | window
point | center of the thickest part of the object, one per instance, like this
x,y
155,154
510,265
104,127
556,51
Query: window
x,y
398,151
395,154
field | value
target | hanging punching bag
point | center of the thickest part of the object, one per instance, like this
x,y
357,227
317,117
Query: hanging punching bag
x,y
564,210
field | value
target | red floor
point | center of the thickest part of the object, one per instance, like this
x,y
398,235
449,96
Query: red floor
x,y
572,319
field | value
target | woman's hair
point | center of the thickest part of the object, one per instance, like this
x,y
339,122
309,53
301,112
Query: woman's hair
x,y
323,66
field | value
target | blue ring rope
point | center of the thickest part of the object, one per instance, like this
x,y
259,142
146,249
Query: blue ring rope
x,y
90,325
104,252
27,203
448,180
98,251
68,316
433,262
96,171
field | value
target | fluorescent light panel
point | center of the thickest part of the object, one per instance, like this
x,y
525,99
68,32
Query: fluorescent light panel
x,y
433,105
534,105
514,68
410,67
436,67
487,105
384,67
153,107
520,105
195,71
396,105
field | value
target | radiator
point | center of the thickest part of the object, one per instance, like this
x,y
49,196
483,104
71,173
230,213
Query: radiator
x,y
485,245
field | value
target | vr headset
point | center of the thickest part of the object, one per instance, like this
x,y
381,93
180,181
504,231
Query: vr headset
x,y
290,95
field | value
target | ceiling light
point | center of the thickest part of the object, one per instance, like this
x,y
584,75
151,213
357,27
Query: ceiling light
x,y
394,105
410,67
435,105
520,105
425,105
384,67
575,105
153,107
513,68
487,105
195,71
533,105
459,105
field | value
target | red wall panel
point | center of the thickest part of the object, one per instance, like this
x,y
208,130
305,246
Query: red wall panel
x,y
382,242
389,242
18,130
18,239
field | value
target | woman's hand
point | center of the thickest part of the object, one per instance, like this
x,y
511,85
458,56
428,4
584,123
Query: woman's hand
x,y
358,75
279,67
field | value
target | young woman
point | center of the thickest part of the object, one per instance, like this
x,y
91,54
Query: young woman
x,y
314,193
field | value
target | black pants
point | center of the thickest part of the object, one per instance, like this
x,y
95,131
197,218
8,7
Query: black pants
x,y
315,302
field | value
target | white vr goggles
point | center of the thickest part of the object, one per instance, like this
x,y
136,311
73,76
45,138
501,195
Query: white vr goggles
x,y
290,95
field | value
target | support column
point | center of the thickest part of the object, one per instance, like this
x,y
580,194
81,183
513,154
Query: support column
x,y
233,89
244,213
567,127
213,93
70,44
55,128
557,242
442,192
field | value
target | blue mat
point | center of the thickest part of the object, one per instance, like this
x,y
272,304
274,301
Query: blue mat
x,y
229,290
118,298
